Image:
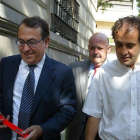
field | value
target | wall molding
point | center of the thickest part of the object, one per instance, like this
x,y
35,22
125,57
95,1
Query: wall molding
x,y
8,27
41,3
62,48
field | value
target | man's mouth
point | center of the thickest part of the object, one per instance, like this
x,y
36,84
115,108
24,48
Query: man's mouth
x,y
28,55
125,58
96,56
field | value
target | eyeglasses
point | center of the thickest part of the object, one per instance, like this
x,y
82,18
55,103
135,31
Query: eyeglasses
x,y
21,43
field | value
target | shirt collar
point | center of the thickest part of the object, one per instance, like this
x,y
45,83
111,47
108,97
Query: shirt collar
x,y
105,61
39,64
91,66
136,66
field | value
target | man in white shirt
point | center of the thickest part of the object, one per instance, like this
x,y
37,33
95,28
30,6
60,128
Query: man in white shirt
x,y
84,72
113,101
37,93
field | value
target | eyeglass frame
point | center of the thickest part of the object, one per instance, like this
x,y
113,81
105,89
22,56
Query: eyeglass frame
x,y
26,42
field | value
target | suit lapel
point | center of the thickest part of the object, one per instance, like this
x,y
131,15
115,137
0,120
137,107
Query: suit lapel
x,y
84,78
45,80
13,69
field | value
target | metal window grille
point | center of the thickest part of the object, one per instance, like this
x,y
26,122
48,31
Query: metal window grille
x,y
65,19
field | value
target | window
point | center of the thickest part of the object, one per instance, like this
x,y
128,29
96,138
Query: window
x,y
65,19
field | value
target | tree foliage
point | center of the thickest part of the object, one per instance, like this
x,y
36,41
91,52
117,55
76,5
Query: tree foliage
x,y
104,4
138,5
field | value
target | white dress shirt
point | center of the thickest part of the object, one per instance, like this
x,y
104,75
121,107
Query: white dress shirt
x,y
114,96
18,87
91,73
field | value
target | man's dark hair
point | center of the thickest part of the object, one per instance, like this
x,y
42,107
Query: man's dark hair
x,y
35,22
131,21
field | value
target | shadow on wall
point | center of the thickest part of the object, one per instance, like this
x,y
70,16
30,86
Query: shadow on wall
x,y
61,56
7,45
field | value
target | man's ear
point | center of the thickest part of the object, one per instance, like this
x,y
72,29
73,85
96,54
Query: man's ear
x,y
108,49
47,40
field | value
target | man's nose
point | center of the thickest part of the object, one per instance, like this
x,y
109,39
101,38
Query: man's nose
x,y
124,50
96,51
26,47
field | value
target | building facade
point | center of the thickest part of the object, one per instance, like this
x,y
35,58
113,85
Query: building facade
x,y
71,24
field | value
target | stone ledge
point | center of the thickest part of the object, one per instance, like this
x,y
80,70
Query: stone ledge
x,y
41,3
8,27
57,46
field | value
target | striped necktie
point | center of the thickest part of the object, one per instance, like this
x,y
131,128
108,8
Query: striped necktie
x,y
27,99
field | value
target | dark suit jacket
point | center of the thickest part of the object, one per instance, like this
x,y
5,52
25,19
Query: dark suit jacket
x,y
54,104
76,130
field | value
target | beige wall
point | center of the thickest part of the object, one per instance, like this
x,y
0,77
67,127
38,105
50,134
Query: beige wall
x,y
87,23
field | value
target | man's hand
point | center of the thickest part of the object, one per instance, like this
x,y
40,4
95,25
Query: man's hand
x,y
1,125
35,132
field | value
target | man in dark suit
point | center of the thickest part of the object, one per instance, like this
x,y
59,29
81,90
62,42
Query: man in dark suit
x,y
54,102
83,73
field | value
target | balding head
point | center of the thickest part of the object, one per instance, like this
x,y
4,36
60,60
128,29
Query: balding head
x,y
100,37
98,49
